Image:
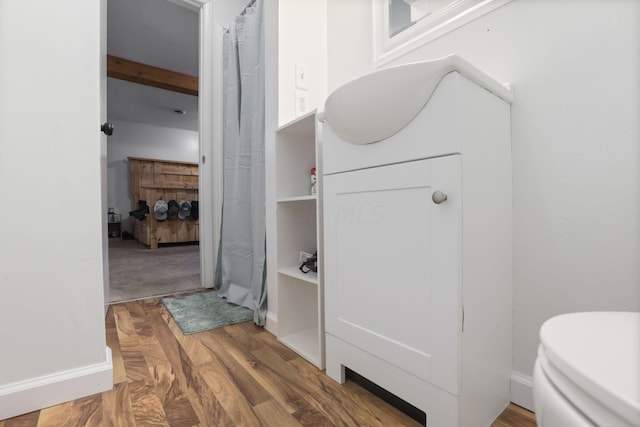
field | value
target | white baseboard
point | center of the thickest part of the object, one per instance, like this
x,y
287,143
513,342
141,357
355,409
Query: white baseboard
x,y
522,390
272,323
38,393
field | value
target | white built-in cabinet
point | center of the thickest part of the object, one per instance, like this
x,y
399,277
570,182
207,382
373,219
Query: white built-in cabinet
x,y
300,295
418,245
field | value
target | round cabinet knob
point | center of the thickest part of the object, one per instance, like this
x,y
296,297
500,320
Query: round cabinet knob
x,y
438,197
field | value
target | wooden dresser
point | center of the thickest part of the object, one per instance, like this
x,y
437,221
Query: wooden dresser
x,y
153,180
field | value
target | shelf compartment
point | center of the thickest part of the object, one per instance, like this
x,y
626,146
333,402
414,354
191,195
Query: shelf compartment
x,y
299,318
305,343
295,156
295,272
296,231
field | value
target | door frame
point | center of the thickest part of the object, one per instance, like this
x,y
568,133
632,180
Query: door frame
x,y
106,286
210,138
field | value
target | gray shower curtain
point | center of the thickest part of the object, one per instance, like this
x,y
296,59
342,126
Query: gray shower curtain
x,y
240,272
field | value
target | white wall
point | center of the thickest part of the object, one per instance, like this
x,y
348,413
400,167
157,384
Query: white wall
x,y
51,308
225,11
302,39
131,139
575,69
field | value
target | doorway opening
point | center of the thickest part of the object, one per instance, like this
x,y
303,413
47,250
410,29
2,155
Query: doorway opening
x,y
153,157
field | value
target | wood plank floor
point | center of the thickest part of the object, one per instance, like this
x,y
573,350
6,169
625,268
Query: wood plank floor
x,y
234,376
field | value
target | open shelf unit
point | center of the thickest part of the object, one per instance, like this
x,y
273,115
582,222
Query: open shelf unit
x,y
300,295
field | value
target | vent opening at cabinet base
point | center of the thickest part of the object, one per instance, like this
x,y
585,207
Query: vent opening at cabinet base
x,y
393,400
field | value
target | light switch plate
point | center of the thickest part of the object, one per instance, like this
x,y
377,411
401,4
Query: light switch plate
x,y
302,101
302,77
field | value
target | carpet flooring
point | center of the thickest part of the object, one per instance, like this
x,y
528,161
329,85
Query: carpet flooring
x,y
137,272
204,311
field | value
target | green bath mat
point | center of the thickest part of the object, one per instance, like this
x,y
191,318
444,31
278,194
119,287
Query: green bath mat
x,y
204,311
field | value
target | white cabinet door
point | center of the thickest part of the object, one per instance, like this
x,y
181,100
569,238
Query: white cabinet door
x,y
392,265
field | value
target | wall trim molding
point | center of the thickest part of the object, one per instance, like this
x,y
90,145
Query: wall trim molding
x,y
522,390
387,48
48,390
272,323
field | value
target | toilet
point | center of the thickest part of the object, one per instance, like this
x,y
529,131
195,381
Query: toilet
x,y
587,372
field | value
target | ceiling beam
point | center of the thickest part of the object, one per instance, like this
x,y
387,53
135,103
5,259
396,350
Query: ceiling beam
x,y
123,69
